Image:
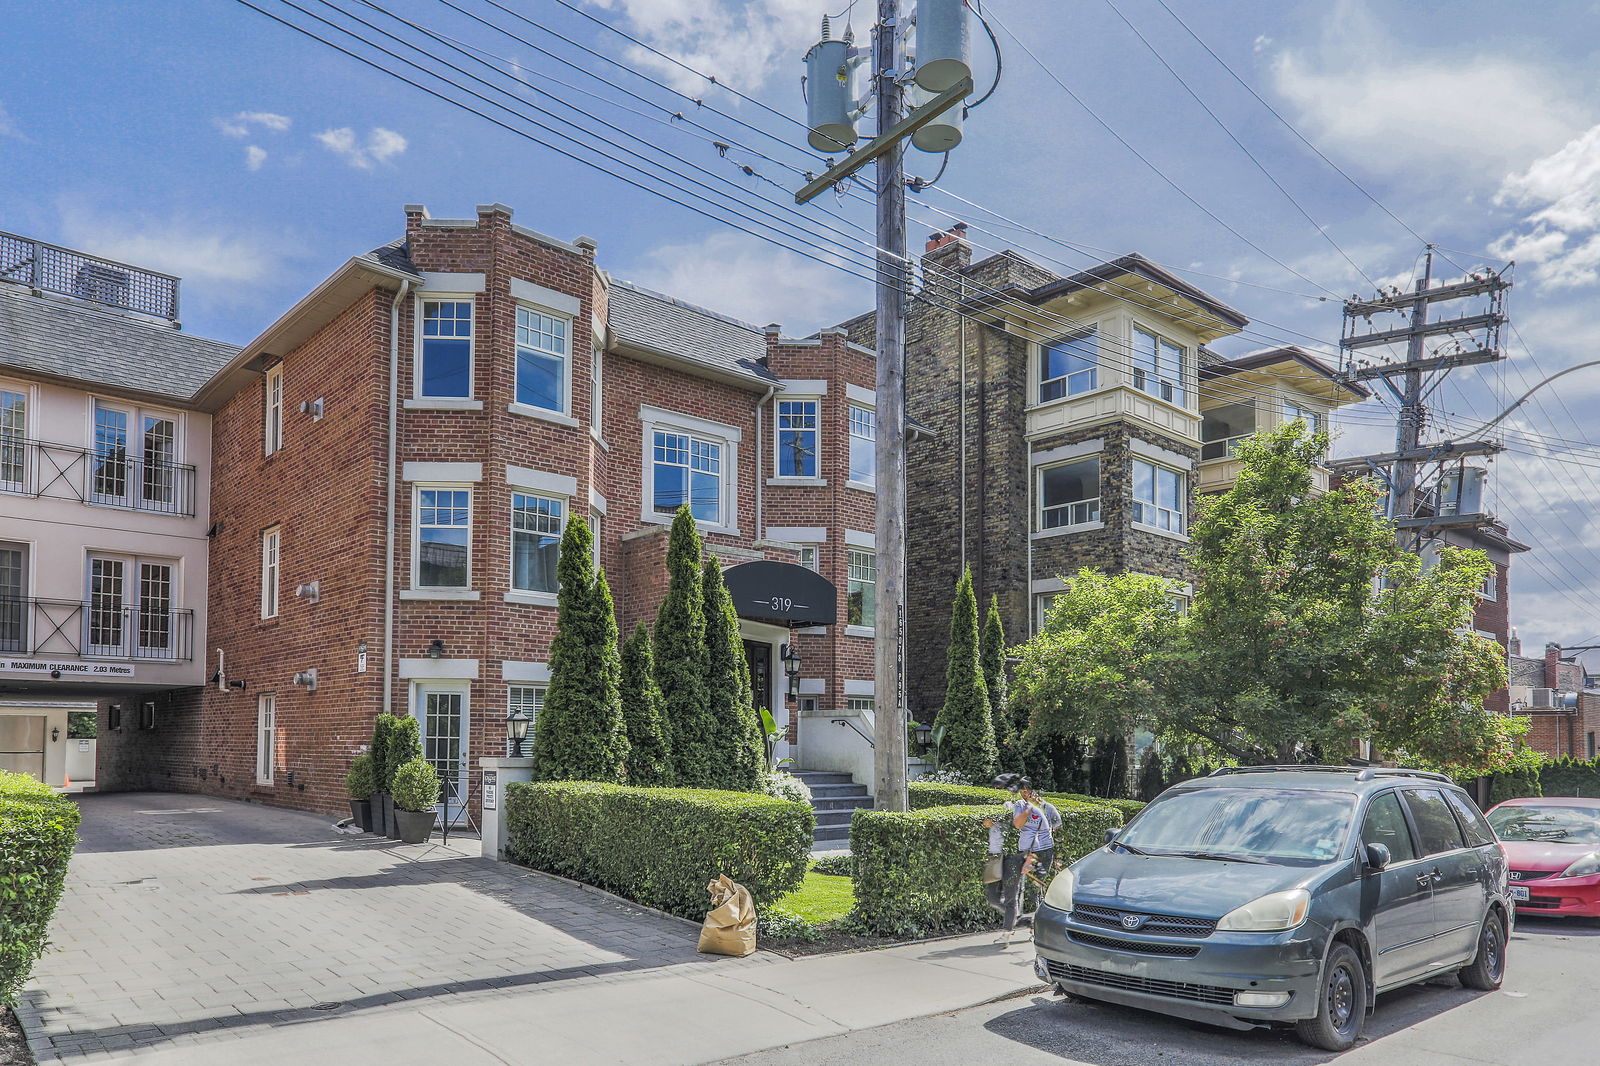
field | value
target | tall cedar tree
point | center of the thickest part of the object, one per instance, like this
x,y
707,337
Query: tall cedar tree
x,y
580,734
968,746
743,753
648,760
382,730
681,663
993,654
405,744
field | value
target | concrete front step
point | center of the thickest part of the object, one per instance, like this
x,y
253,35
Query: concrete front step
x,y
840,803
835,797
831,832
833,818
837,791
824,777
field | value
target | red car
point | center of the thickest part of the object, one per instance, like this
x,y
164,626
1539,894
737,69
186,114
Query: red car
x,y
1552,845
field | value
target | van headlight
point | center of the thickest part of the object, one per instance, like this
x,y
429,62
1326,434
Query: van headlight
x,y
1589,864
1059,894
1269,914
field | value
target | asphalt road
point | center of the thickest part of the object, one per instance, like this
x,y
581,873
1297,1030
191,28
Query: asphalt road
x,y
1545,1015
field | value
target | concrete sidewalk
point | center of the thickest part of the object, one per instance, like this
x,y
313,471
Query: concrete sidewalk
x,y
675,1019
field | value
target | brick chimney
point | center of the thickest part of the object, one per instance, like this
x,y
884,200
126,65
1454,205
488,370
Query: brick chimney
x,y
948,250
1552,666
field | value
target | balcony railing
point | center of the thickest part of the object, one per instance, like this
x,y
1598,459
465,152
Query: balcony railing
x,y
106,477
95,629
88,277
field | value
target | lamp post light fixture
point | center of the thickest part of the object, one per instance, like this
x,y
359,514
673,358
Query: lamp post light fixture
x,y
517,731
924,735
436,649
791,667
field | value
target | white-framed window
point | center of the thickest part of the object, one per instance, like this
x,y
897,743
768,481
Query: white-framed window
x,y
596,388
1222,428
1160,497
597,531
806,556
529,699
861,587
1491,586
442,541
857,704
131,608
14,612
13,438
1069,493
272,422
1069,365
535,541
799,436
863,444
687,469
444,347
1042,602
1158,366
135,460
271,540
266,737
543,363
1294,410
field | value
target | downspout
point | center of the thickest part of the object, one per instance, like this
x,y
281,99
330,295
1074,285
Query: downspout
x,y
388,538
761,446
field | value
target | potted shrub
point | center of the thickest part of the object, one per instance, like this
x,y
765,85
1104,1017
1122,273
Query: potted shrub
x,y
405,744
382,806
359,785
416,793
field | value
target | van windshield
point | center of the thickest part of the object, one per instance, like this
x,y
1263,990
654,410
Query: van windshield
x,y
1294,827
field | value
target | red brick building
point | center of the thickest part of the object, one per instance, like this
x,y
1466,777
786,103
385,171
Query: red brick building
x,y
1553,693
394,460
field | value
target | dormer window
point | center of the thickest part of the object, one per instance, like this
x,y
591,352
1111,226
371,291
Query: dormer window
x,y
1158,366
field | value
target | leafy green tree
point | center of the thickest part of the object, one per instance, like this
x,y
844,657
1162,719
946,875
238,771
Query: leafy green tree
x,y
580,734
1152,774
1108,768
405,744
741,753
648,760
681,662
992,653
968,745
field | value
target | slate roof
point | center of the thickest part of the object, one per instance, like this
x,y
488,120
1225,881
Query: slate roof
x,y
394,256
50,336
671,327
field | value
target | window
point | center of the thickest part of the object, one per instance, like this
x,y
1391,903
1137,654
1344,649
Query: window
x,y
857,704
535,542
446,343
1222,428
541,360
798,438
861,587
1473,825
110,454
1068,366
444,533
1159,496
1491,586
596,392
1590,742
13,440
863,444
1386,824
688,469
272,425
1309,415
13,597
1042,602
807,557
1437,830
135,458
1069,494
269,572
1158,366
266,737
529,699
597,528
130,612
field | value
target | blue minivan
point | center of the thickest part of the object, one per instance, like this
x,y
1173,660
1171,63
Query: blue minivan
x,y
1265,895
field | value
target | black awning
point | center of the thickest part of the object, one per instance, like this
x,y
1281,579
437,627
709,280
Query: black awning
x,y
783,593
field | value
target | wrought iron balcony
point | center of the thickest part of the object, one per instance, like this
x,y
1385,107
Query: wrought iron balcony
x,y
107,477
51,268
94,629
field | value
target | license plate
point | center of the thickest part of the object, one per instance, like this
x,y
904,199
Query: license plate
x,y
1519,892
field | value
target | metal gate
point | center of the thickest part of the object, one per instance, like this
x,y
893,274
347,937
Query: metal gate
x,y
22,744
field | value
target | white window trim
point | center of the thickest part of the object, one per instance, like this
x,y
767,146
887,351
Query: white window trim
x,y
30,404
532,596
563,416
798,534
442,592
1039,529
524,673
271,590
1036,380
860,630
810,396
423,401
136,415
656,418
130,645
869,401
597,392
1188,488
266,754
272,425
1186,371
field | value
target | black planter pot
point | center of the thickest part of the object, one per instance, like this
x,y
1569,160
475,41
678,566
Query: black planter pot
x,y
383,814
361,811
414,827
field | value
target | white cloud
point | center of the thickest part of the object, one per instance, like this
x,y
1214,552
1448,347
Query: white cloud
x,y
741,43
8,125
239,125
216,254
1261,43
380,146
254,157
1367,94
1561,193
739,276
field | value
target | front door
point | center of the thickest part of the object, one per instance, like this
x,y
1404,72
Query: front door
x,y
22,744
441,714
758,662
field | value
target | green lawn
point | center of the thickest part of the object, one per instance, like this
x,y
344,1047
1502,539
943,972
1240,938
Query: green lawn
x,y
820,898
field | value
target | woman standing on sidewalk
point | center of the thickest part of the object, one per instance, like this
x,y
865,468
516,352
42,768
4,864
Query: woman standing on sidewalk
x,y
1035,849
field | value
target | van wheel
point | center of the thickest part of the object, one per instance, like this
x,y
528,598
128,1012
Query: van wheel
x,y
1488,967
1342,1006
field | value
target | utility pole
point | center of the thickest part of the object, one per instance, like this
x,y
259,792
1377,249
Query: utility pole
x,y
887,149
1423,371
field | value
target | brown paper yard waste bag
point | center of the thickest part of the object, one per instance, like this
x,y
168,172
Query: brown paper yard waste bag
x,y
730,925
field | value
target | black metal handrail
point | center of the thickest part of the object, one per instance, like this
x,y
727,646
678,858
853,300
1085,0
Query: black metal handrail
x,y
51,268
73,629
105,478
859,731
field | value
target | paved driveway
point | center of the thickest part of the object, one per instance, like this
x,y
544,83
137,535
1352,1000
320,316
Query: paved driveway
x,y
188,919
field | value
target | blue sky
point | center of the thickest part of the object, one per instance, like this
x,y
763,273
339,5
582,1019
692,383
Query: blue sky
x,y
202,138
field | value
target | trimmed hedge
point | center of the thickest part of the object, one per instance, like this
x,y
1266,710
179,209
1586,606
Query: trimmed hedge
x,y
38,830
1568,776
926,794
660,846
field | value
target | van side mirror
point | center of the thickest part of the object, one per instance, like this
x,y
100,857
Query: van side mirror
x,y
1111,835
1378,856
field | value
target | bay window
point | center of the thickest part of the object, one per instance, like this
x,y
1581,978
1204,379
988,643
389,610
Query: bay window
x,y
1159,497
1069,366
1069,494
1158,366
